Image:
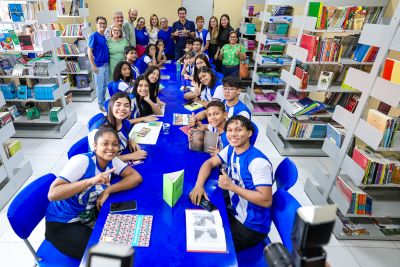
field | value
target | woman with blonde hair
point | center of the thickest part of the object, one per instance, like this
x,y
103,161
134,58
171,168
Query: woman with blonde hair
x,y
213,32
116,45
154,29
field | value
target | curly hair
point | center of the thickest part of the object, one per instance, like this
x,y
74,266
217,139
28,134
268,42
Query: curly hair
x,y
245,122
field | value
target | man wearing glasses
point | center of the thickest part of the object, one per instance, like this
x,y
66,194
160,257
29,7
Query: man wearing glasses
x,y
129,27
165,34
118,20
182,30
99,57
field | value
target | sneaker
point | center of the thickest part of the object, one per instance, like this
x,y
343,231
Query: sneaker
x,y
102,109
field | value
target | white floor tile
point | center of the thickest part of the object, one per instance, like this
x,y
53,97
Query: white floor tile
x,y
340,257
71,134
16,254
298,192
268,149
42,164
306,166
369,243
53,147
327,163
82,132
333,242
373,257
397,243
30,145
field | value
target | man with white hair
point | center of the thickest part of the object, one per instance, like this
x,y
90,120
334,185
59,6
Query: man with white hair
x,y
129,27
118,19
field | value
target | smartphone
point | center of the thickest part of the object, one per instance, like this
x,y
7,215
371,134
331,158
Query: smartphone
x,y
207,205
123,206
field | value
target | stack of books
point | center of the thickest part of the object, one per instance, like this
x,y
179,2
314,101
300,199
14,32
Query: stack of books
x,y
378,169
67,49
348,101
391,70
73,30
270,77
72,66
360,202
303,129
250,45
307,106
365,53
11,147
387,125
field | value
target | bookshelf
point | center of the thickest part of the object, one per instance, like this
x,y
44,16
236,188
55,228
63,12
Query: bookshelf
x,y
322,188
306,25
14,170
35,74
266,40
80,92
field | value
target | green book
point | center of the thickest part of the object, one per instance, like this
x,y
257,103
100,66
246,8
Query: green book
x,y
14,37
315,10
172,187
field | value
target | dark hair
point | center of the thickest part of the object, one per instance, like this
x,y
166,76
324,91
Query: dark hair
x,y
159,41
128,49
216,103
139,101
117,75
221,29
105,129
100,17
153,87
211,72
198,40
111,121
147,52
233,81
245,122
182,9
189,40
195,72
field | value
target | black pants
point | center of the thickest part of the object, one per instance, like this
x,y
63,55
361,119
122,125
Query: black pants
x,y
243,237
69,238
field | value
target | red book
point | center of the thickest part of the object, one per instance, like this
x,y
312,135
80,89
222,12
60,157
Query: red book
x,y
352,104
387,69
303,76
25,41
309,42
359,157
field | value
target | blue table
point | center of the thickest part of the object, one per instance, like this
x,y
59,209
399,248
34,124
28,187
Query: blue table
x,y
168,235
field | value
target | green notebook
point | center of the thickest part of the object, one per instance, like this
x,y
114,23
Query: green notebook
x,y
172,186
315,10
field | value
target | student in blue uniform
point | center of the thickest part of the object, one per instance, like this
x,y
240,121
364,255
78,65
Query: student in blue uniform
x,y
160,54
131,57
123,77
149,58
118,113
153,75
211,87
248,179
142,104
202,34
80,191
232,89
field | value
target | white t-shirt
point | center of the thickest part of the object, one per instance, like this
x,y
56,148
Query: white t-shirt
x,y
153,35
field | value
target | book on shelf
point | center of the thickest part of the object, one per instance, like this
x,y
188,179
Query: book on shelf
x,y
387,226
202,140
310,43
315,10
127,229
67,49
391,70
25,42
360,202
282,10
352,103
385,124
16,12
365,53
204,231
173,187
12,146
351,228
325,80
181,119
6,41
335,133
14,112
73,30
303,76
307,106
303,128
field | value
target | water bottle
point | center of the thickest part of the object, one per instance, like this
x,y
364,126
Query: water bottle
x,y
178,70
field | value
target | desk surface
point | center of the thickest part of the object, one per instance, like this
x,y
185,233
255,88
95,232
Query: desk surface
x,y
168,235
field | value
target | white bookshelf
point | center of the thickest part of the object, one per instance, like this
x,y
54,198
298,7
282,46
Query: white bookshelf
x,y
43,127
87,94
305,24
386,198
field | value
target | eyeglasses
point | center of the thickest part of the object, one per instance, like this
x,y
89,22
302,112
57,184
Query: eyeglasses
x,y
230,89
102,23
163,21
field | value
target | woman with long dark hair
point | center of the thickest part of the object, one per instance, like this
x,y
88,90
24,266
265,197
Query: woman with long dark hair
x,y
142,104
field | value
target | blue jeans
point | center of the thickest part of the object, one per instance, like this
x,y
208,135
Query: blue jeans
x,y
230,71
101,80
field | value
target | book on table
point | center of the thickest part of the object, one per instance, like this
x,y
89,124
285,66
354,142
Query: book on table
x,y
192,106
204,231
127,229
181,119
202,140
173,187
146,133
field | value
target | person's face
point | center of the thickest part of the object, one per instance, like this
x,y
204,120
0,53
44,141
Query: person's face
x,y
121,108
107,146
200,24
233,38
189,47
231,93
119,19
143,88
196,46
213,23
152,49
224,21
116,32
131,56
215,116
126,71
101,25
154,21
200,63
132,15
154,76
164,23
182,15
237,134
141,23
205,78
160,46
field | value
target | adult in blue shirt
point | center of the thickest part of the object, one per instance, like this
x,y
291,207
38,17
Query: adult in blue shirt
x,y
165,34
142,37
247,177
182,30
99,57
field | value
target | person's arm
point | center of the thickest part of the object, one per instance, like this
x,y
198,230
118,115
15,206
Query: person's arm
x,y
262,196
184,68
130,179
206,46
91,60
143,119
153,60
154,107
242,55
201,115
205,170
221,53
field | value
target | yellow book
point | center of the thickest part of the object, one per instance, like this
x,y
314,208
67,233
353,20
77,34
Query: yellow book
x,y
378,119
395,78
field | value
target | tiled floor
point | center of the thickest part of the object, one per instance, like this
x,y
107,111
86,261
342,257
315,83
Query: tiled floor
x,y
50,156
